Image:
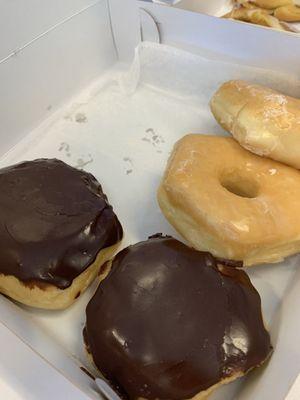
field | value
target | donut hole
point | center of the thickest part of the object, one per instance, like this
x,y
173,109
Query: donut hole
x,y
239,185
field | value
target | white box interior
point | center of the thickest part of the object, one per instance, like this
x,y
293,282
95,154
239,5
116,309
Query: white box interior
x,y
121,126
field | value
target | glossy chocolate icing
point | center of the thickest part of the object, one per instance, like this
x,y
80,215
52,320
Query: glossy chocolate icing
x,y
54,219
169,322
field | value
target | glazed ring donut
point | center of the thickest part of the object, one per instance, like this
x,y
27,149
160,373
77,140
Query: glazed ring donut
x,y
262,120
230,202
56,231
289,13
149,331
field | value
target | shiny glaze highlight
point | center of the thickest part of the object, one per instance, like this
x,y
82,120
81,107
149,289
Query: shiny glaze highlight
x,y
54,219
169,322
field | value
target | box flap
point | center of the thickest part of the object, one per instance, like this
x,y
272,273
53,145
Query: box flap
x,y
225,39
126,27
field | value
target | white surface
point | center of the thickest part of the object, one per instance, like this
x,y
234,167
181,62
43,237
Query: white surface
x,y
22,374
130,133
50,353
226,39
52,69
284,366
34,18
126,27
295,390
149,29
211,7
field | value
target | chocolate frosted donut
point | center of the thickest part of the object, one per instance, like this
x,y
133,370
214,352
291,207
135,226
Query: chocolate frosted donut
x,y
56,229
170,322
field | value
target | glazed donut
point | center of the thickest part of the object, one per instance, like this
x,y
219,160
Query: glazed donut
x,y
150,334
289,13
244,3
56,231
271,4
256,16
230,202
262,120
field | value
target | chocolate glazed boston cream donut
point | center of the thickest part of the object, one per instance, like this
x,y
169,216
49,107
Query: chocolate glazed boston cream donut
x,y
56,230
169,322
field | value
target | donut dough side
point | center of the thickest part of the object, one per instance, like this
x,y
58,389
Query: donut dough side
x,y
50,297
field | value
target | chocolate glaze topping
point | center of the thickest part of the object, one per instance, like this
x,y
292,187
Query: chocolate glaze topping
x,y
54,219
230,263
169,322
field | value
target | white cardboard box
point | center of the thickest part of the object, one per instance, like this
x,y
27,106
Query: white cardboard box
x,y
216,8
70,58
